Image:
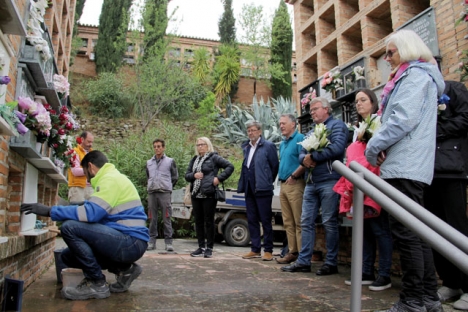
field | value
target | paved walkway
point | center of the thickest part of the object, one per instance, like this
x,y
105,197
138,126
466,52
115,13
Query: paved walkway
x,y
226,282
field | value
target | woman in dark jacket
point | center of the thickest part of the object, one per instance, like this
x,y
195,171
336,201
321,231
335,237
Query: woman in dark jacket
x,y
204,177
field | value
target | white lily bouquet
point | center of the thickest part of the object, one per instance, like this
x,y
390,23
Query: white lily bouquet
x,y
367,128
316,141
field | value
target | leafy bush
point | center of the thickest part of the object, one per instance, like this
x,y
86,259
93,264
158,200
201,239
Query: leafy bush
x,y
207,114
107,96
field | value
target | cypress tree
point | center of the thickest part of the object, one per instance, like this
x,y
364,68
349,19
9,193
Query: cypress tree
x,y
155,22
227,24
113,26
281,51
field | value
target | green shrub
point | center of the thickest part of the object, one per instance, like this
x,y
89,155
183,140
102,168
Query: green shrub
x,y
207,114
107,96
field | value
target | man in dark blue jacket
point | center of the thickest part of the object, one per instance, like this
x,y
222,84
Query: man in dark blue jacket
x,y
319,192
259,170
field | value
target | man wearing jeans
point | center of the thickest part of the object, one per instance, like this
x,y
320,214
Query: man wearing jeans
x,y
106,232
319,192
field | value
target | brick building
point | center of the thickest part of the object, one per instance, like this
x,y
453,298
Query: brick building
x,y
182,48
353,32
27,172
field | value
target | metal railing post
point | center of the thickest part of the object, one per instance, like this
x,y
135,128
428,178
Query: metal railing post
x,y
454,254
438,225
357,245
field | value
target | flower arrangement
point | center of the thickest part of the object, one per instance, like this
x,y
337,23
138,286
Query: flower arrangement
x,y
61,85
331,80
315,141
442,105
63,123
34,36
367,128
35,117
308,97
7,112
4,80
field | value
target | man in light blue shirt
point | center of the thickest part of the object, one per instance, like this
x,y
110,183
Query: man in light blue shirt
x,y
292,185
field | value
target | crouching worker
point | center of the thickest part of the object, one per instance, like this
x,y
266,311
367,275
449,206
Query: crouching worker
x,y
108,231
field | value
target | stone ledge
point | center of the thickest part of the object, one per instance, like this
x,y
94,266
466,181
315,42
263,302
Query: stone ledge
x,y
17,244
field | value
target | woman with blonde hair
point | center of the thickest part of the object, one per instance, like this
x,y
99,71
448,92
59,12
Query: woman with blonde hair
x,y
404,148
204,177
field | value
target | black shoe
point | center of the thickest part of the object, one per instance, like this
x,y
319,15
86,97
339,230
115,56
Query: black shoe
x,y
296,267
87,289
125,279
208,253
198,253
367,279
327,269
381,283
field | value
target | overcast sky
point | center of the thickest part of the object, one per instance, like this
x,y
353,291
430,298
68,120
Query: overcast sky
x,y
194,18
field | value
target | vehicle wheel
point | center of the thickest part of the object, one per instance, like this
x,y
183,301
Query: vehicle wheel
x,y
237,233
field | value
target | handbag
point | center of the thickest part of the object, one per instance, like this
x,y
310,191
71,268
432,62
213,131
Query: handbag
x,y
220,195
187,196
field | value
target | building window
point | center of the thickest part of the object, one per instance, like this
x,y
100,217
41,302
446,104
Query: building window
x,y
130,48
84,42
93,43
188,53
174,52
294,66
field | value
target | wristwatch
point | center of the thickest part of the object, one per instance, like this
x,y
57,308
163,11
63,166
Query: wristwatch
x,y
293,177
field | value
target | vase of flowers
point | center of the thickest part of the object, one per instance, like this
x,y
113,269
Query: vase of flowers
x,y
331,81
35,117
62,86
305,101
60,139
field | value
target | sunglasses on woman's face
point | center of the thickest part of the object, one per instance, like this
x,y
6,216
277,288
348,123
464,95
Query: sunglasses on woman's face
x,y
389,53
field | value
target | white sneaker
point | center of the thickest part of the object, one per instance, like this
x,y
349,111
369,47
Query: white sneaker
x,y
169,247
446,293
462,303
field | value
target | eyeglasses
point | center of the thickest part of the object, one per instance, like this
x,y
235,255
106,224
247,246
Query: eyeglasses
x,y
252,130
313,110
200,145
389,53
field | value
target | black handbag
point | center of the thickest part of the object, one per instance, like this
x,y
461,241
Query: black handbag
x,y
220,195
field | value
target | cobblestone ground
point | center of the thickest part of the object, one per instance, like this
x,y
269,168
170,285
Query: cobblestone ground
x,y
226,282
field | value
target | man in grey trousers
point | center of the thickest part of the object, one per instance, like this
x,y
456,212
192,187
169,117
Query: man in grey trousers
x,y
162,175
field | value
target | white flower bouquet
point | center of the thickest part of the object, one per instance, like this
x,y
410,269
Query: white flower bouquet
x,y
367,128
315,141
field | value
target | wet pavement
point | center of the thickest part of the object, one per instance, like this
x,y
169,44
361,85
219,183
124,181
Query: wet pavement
x,y
226,282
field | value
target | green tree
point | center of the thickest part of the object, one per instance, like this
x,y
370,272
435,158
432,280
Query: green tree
x,y
226,71
257,37
155,24
227,35
113,26
227,24
201,65
281,51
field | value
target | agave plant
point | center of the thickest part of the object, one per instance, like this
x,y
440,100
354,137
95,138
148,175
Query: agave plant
x,y
233,127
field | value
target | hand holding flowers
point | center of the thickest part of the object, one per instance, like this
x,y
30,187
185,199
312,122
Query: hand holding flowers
x,y
315,141
367,128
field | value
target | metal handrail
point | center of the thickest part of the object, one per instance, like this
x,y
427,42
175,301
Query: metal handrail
x,y
443,244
